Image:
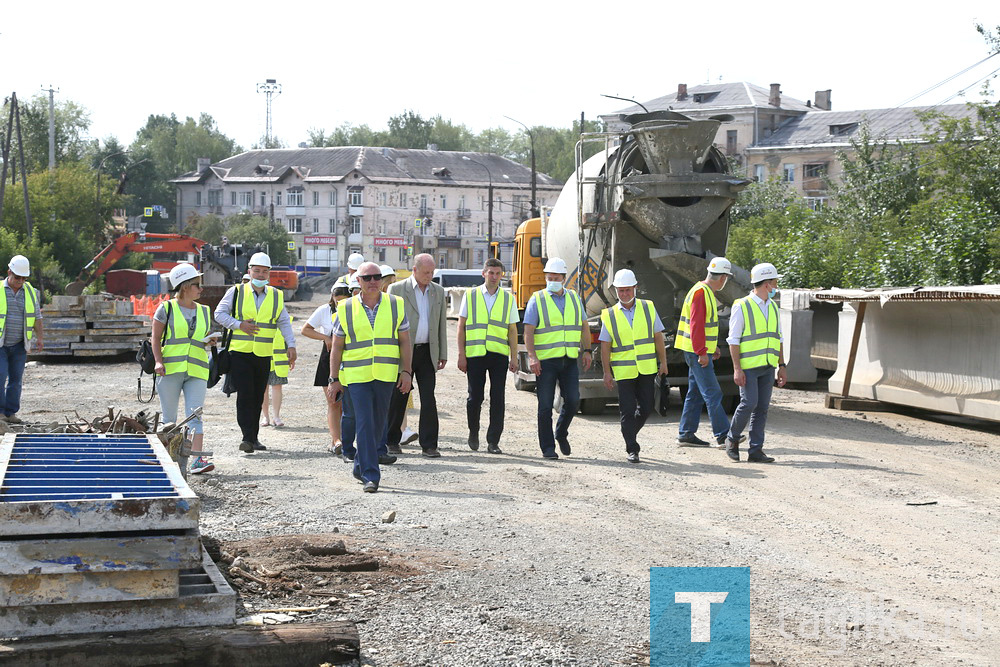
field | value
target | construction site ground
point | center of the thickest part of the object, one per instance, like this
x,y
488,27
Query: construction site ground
x,y
873,540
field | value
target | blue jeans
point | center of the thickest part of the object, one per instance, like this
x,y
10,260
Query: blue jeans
x,y
370,402
170,388
12,358
755,398
703,391
566,372
348,428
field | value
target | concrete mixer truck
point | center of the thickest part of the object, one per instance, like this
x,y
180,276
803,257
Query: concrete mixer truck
x,y
655,199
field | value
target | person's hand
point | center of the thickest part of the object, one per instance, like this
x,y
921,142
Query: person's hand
x,y
214,342
609,382
405,382
512,365
588,359
442,363
249,327
463,363
40,342
739,377
335,391
159,369
703,360
534,365
782,376
329,343
292,356
717,355
663,368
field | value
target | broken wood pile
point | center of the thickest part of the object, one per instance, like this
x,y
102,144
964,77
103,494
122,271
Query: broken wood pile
x,y
90,326
112,422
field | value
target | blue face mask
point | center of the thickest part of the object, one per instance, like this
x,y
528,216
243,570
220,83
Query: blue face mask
x,y
553,286
258,283
773,293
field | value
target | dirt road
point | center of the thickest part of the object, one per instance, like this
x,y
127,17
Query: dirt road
x,y
513,559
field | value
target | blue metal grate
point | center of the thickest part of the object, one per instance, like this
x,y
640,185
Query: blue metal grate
x,y
66,467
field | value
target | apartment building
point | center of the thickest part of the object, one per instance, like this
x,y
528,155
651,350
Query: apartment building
x,y
386,203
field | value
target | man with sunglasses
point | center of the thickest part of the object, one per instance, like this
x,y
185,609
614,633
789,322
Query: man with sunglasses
x,y
20,319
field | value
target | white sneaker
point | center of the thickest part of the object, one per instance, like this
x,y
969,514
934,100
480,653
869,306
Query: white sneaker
x,y
408,436
200,465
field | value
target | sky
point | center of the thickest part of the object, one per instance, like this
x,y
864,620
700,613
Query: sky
x,y
541,62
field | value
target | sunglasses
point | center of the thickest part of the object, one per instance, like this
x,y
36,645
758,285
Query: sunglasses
x,y
374,276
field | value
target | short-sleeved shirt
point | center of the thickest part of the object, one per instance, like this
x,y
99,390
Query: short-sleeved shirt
x,y
629,313
339,332
189,314
736,323
490,300
531,312
322,319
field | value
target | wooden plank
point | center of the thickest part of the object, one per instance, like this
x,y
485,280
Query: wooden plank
x,y
81,587
117,323
100,353
65,323
860,404
332,642
855,340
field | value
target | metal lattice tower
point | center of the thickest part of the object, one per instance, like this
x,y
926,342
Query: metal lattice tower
x,y
271,88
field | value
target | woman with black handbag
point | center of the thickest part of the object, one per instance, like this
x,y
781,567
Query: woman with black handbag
x,y
180,334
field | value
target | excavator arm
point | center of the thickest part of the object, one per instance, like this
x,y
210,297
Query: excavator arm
x,y
123,245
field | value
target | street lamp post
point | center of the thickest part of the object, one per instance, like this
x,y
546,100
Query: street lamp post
x,y
100,166
489,205
534,178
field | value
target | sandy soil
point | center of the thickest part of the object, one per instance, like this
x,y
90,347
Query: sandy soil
x,y
516,560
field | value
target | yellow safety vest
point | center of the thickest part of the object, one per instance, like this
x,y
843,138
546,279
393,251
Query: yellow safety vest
x,y
261,344
370,353
682,341
760,343
30,309
633,349
486,331
279,357
182,350
558,333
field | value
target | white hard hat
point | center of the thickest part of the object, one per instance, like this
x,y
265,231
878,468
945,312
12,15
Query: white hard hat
x,y
763,272
387,270
625,278
260,259
246,277
555,265
353,283
720,265
182,272
355,261
19,265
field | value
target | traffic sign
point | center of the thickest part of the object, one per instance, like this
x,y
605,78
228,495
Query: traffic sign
x,y
147,212
291,245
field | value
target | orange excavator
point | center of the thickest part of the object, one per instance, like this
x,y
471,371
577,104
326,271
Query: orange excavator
x,y
182,243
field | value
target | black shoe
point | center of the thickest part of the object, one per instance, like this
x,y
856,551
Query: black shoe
x,y
348,458
759,457
691,441
247,447
386,460
550,455
357,475
564,447
431,453
370,487
722,440
633,457
732,449
493,449
474,442
394,449
257,447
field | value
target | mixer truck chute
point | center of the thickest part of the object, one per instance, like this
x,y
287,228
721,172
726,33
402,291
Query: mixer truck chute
x,y
656,200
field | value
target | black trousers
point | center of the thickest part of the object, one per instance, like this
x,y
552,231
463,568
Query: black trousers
x,y
425,376
635,402
496,365
249,373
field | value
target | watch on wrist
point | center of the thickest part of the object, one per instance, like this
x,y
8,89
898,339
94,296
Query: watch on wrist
x,y
781,365
332,379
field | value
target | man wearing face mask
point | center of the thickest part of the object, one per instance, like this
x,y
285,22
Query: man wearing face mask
x,y
757,348
698,337
556,333
634,353
254,311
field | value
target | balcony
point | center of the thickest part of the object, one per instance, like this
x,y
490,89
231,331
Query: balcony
x,y
294,211
354,239
463,213
426,212
355,210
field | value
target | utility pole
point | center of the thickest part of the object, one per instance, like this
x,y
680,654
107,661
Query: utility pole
x,y
271,88
52,129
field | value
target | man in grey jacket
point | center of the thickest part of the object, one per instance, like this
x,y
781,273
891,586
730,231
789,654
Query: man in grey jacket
x,y
426,313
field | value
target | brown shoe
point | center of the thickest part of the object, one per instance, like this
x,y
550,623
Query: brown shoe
x,y
395,449
431,453
13,419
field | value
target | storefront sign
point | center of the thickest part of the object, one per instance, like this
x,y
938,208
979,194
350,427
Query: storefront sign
x,y
320,240
389,242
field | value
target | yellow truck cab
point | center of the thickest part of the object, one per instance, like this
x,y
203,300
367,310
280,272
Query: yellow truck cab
x,y
526,276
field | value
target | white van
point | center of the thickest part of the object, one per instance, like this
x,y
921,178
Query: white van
x,y
458,277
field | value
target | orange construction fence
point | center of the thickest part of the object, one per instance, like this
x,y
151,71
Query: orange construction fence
x,y
147,305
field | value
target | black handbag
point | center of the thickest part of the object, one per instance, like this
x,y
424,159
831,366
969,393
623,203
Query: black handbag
x,y
223,359
147,363
214,374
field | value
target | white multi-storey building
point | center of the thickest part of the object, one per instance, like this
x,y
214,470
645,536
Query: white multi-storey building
x,y
386,203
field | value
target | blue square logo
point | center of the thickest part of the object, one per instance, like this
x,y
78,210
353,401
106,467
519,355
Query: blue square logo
x,y
699,616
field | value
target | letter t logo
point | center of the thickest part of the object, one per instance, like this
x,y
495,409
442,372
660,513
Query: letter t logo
x,y
701,612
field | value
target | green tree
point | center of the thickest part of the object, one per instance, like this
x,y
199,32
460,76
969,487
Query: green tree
x,y
71,124
760,198
253,230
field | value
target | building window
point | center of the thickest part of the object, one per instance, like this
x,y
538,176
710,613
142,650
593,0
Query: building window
x,y
463,256
461,202
355,198
843,128
788,173
380,253
402,254
295,225
402,200
315,225
444,201
333,226
263,199
295,198
232,198
759,173
815,203
215,197
423,202
277,199
333,197
817,170
315,197
355,224
197,198
480,260
246,199
402,226
731,142
383,198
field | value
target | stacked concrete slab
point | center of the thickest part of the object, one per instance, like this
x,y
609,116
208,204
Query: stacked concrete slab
x,y
100,532
91,326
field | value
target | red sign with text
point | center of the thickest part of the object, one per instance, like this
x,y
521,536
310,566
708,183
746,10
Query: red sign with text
x,y
320,240
390,241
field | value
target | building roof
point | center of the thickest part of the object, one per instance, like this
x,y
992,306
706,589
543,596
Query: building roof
x,y
387,165
837,128
720,96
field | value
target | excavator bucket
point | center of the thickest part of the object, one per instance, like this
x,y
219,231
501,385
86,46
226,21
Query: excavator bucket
x,y
75,288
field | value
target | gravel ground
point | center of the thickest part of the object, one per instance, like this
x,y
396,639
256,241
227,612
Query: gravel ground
x,y
515,560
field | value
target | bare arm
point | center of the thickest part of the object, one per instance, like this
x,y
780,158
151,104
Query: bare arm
x,y
585,345
609,380
462,361
738,377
